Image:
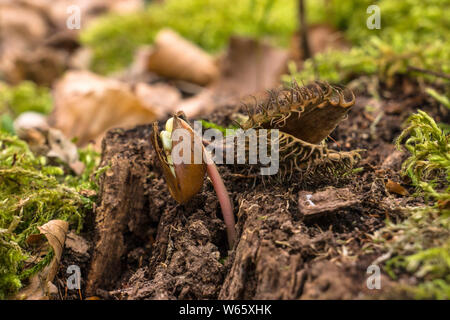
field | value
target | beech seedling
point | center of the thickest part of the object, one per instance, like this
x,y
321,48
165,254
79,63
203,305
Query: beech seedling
x,y
185,179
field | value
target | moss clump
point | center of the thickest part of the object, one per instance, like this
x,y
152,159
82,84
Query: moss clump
x,y
429,163
207,23
442,99
210,125
382,58
413,33
26,96
31,194
407,17
89,178
420,244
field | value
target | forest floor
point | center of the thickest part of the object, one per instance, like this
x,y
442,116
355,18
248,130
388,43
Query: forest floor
x,y
140,244
80,184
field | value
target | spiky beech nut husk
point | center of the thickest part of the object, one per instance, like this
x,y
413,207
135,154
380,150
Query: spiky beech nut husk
x,y
305,116
184,180
308,113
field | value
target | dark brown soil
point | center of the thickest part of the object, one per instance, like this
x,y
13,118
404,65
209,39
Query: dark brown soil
x,y
146,246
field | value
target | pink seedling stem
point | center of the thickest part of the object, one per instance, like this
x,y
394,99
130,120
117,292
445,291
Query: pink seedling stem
x,y
224,199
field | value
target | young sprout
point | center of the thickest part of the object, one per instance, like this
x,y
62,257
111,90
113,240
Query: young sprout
x,y
185,179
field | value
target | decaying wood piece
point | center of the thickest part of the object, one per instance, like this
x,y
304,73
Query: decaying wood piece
x,y
269,261
123,209
276,252
327,201
185,259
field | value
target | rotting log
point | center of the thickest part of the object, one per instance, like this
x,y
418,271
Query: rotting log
x,y
278,253
122,214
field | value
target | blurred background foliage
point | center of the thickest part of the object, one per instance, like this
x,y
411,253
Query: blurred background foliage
x,y
413,32
208,23
26,96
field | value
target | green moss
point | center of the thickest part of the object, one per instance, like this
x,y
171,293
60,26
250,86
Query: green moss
x,y
31,194
26,96
383,58
11,257
38,266
435,289
421,247
89,178
444,100
114,38
210,125
413,33
419,19
420,244
429,163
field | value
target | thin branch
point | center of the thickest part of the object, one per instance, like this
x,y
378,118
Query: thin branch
x,y
431,72
304,43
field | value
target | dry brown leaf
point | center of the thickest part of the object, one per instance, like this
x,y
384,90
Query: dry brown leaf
x,y
56,11
81,59
37,39
163,98
87,105
444,204
40,284
21,22
23,31
394,187
42,65
34,239
249,67
21,28
175,57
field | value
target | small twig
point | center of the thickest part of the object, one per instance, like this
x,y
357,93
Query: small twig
x,y
431,72
304,43
373,125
